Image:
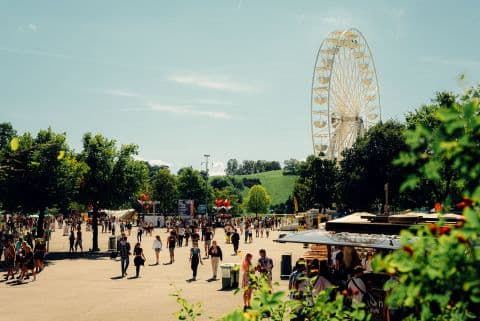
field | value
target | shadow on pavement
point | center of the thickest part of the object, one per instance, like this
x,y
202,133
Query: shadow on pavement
x,y
55,256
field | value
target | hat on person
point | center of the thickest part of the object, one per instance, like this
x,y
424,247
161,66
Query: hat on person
x,y
358,269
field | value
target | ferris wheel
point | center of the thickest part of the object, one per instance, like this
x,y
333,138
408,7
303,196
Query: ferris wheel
x,y
345,98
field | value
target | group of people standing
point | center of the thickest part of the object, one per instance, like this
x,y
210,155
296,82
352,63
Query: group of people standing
x,y
264,266
21,258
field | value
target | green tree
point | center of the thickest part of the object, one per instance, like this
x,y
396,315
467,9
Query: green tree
x,y
430,190
323,183
367,167
219,182
258,200
43,173
291,167
192,186
114,176
317,184
165,190
438,264
232,167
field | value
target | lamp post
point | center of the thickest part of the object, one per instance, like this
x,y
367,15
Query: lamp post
x,y
206,187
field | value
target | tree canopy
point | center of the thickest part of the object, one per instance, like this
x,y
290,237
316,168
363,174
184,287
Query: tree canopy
x,y
257,200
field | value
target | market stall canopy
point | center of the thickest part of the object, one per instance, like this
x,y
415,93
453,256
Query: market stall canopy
x,y
363,222
120,214
375,241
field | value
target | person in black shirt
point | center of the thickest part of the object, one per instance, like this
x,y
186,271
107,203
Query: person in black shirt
x,y
171,241
208,240
124,251
139,258
235,241
195,236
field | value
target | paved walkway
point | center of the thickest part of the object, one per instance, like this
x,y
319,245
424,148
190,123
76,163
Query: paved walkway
x,y
88,289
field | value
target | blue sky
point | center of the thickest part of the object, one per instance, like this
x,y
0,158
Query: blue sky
x,y
227,78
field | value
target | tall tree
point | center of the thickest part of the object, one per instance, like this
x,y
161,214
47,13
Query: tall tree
x,y
427,190
113,178
191,185
323,183
368,166
43,174
165,190
232,167
258,200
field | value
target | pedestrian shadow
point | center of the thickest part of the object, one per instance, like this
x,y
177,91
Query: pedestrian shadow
x,y
116,277
228,289
57,256
154,264
168,263
132,277
17,283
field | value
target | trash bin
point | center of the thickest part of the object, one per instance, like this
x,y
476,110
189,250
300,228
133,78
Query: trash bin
x,y
235,276
227,279
286,266
112,243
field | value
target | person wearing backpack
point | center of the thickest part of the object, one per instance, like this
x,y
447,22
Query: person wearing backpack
x,y
356,286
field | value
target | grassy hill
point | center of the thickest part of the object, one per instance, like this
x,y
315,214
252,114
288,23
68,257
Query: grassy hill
x,y
278,186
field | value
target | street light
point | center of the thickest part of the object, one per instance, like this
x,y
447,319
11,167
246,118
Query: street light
x,y
206,190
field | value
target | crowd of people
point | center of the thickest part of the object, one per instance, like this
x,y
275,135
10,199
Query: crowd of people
x,y
22,251
199,235
344,272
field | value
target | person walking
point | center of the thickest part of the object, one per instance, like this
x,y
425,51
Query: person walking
x,y
235,241
171,241
247,268
28,263
139,232
188,231
78,241
195,259
124,251
39,255
181,234
216,256
208,240
10,258
71,239
157,247
139,259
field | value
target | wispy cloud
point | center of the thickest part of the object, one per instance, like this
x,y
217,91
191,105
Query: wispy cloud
x,y
28,28
122,93
193,110
35,53
212,82
449,61
188,111
337,20
158,162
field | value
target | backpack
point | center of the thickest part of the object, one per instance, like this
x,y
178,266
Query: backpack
x,y
369,299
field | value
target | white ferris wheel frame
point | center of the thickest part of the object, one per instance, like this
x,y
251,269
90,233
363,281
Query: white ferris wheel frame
x,y
343,102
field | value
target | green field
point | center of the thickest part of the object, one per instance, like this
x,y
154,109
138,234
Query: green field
x,y
279,187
